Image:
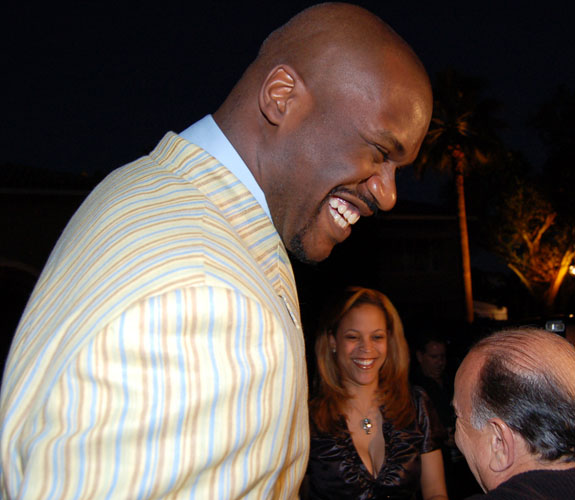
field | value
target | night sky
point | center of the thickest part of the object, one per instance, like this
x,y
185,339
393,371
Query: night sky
x,y
90,86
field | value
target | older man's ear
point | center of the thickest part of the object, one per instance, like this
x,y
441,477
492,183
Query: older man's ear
x,y
502,446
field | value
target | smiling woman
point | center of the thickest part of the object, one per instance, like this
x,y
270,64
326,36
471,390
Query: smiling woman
x,y
372,436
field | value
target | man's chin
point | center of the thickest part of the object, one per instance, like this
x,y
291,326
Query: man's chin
x,y
306,255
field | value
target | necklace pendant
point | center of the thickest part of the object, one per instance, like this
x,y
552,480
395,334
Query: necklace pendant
x,y
366,425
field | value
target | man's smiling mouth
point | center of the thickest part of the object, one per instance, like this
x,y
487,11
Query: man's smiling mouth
x,y
343,212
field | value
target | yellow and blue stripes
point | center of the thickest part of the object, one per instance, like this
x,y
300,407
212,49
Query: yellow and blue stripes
x,y
160,355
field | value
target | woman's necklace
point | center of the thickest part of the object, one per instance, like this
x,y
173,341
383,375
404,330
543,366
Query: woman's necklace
x,y
366,423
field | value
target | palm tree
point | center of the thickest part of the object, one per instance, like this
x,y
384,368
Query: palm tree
x,y
461,136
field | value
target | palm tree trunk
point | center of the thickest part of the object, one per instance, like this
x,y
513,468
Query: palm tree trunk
x,y
553,290
464,235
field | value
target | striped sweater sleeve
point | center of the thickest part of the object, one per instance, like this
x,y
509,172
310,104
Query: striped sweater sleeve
x,y
161,347
177,398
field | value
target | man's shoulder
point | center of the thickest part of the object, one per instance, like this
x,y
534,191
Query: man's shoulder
x,y
541,484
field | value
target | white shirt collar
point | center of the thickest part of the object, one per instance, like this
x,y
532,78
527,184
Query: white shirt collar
x,y
206,134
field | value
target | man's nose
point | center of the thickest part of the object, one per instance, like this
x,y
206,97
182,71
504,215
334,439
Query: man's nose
x,y
382,188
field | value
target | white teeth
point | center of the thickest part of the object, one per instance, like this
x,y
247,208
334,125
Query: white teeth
x,y
342,222
343,212
363,362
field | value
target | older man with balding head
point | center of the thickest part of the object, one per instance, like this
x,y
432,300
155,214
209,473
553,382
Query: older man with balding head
x,y
515,404
161,354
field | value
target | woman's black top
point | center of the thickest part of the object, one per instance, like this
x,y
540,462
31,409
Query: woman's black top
x,y
335,468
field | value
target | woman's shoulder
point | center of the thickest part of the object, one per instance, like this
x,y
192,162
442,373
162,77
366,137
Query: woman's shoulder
x,y
419,396
427,419
424,409
338,431
418,392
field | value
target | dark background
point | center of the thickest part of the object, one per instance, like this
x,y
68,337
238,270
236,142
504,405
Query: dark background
x,y
89,86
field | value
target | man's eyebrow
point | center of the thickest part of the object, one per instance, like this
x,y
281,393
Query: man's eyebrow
x,y
388,137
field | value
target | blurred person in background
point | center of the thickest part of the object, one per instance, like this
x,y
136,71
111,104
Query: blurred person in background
x,y
431,371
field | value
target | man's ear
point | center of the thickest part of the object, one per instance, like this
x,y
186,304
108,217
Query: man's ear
x,y
502,445
279,92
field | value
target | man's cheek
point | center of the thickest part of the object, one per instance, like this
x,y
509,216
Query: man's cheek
x,y
458,435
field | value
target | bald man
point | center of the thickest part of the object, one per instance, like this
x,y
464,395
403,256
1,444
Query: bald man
x,y
161,353
515,404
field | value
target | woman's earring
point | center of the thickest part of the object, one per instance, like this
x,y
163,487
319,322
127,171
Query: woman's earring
x,y
333,350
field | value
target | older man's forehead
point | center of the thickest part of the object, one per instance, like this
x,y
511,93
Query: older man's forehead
x,y
468,371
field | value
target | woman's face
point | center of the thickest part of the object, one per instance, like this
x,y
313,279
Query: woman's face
x,y
361,345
